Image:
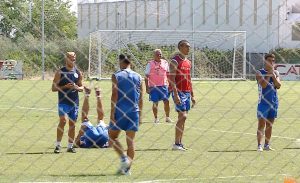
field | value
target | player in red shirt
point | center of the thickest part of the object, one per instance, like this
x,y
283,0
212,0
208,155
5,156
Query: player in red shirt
x,y
180,81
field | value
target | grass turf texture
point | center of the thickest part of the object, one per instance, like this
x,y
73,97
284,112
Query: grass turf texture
x,y
220,130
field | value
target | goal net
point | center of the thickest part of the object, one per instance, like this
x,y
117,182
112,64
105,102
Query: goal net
x,y
219,55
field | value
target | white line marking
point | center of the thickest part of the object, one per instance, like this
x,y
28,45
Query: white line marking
x,y
222,177
214,130
37,109
233,132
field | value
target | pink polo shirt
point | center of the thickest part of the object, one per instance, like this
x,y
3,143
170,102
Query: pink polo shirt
x,y
157,73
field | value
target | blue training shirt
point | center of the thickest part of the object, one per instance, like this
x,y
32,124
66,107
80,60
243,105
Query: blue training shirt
x,y
129,83
94,136
268,95
69,97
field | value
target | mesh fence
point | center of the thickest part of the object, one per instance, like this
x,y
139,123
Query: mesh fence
x,y
220,131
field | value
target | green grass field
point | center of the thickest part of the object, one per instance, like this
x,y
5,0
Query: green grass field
x,y
220,130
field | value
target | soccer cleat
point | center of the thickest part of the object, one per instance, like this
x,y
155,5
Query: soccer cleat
x,y
169,120
156,120
57,149
260,148
184,147
124,172
71,150
124,167
178,147
267,147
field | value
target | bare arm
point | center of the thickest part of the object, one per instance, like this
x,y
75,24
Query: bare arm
x,y
114,98
56,87
80,133
141,102
85,108
146,84
147,72
172,75
100,112
56,80
276,79
78,86
192,96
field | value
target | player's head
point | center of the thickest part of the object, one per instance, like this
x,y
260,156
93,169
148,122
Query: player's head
x,y
70,58
157,54
184,47
124,61
269,61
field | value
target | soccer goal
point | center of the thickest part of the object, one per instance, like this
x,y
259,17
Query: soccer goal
x,y
219,55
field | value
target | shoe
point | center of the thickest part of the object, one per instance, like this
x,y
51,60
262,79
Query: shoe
x,y
267,147
260,148
57,149
178,148
71,150
184,147
156,120
124,167
169,120
124,172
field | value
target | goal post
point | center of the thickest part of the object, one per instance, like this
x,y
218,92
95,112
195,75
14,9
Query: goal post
x,y
215,55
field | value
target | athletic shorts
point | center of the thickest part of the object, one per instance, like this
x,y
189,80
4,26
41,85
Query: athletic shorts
x,y
185,99
68,110
126,122
267,111
159,93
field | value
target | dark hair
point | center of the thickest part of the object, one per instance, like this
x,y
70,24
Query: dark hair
x,y
182,42
125,58
269,55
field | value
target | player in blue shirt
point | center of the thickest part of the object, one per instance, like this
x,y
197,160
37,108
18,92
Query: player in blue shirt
x,y
126,107
268,83
67,82
89,135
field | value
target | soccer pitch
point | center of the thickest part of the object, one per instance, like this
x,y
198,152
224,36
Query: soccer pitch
x,y
220,130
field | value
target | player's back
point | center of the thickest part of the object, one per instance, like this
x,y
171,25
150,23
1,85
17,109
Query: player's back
x,y
267,95
128,83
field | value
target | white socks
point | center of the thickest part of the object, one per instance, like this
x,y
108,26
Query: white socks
x,y
70,145
57,143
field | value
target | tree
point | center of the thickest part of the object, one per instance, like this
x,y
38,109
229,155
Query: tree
x,y
60,22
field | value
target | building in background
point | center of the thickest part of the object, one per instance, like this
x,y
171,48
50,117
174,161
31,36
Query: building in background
x,y
269,24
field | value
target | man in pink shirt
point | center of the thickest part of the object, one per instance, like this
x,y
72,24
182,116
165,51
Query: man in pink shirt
x,y
156,81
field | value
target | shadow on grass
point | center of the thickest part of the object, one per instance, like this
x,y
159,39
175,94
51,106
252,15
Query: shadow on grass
x,y
153,150
293,148
13,153
83,175
244,150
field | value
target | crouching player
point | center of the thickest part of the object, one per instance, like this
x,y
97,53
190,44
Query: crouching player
x,y
90,135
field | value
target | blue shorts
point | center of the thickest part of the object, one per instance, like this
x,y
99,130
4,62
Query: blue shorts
x,y
159,93
69,110
185,99
267,111
90,138
126,122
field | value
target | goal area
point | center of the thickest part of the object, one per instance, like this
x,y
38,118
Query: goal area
x,y
215,55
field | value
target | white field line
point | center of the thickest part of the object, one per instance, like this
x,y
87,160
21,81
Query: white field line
x,y
37,109
196,128
233,132
222,177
